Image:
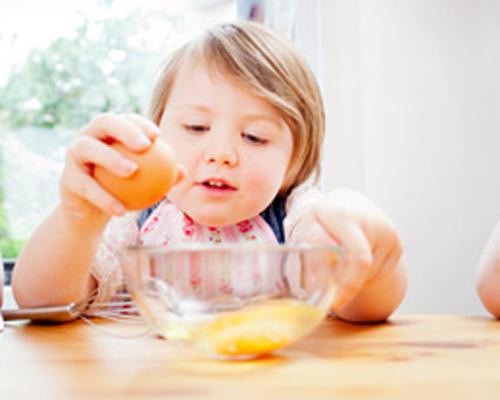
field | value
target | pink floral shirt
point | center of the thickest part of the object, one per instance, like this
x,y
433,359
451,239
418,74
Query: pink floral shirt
x,y
168,225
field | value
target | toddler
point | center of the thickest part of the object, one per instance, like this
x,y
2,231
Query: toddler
x,y
244,115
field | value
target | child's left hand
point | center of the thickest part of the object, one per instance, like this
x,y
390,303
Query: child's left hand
x,y
372,245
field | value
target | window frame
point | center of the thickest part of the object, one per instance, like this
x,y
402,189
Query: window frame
x,y
8,266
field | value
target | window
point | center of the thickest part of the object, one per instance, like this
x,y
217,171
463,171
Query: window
x,y
63,63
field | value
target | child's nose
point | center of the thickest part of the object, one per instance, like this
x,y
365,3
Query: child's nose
x,y
222,154
222,158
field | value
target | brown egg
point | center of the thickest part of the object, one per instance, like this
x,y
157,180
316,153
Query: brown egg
x,y
155,175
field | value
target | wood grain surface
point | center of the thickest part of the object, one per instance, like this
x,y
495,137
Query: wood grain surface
x,y
410,357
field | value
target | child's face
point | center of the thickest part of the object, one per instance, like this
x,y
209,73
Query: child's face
x,y
236,147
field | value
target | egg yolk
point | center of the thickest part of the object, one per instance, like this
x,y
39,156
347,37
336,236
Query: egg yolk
x,y
260,329
251,332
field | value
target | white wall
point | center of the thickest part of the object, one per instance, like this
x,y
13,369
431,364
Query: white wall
x,y
412,89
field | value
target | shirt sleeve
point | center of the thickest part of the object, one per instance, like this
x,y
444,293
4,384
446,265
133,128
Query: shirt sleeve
x,y
298,202
120,232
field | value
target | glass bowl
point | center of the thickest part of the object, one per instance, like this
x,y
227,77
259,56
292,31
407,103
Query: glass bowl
x,y
233,301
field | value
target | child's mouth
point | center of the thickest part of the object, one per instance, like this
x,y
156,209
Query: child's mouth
x,y
217,186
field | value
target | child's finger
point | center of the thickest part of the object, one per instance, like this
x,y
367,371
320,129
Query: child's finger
x,y
114,127
357,257
357,261
386,245
82,185
86,151
313,233
391,261
149,127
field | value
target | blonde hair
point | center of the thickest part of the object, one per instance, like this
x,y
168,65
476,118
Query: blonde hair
x,y
271,69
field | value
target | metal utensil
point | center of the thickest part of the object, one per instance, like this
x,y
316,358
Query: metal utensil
x,y
62,313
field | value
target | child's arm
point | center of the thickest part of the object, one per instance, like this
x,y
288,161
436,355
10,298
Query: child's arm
x,y
54,266
488,284
373,277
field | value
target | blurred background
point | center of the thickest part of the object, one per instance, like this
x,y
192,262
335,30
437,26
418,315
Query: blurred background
x,y
412,96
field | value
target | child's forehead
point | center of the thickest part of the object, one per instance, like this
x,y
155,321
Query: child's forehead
x,y
208,71
196,78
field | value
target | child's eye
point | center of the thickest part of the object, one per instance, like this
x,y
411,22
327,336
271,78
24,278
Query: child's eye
x,y
249,137
196,128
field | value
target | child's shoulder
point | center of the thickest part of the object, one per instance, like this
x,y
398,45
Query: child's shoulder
x,y
302,196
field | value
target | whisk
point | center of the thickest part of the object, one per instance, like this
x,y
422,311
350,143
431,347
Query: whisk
x,y
121,309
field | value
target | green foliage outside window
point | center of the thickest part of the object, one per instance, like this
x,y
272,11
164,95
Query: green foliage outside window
x,y
104,66
65,84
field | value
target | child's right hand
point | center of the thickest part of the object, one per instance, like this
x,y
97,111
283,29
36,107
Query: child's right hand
x,y
83,200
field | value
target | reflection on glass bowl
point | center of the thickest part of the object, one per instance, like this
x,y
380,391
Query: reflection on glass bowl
x,y
234,301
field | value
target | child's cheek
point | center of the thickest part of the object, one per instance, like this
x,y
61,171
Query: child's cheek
x,y
265,182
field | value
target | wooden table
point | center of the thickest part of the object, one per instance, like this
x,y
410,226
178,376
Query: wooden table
x,y
412,357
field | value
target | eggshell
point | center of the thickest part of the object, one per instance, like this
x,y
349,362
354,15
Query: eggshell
x,y
155,175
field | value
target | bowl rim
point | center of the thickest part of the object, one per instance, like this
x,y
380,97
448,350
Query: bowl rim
x,y
235,247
